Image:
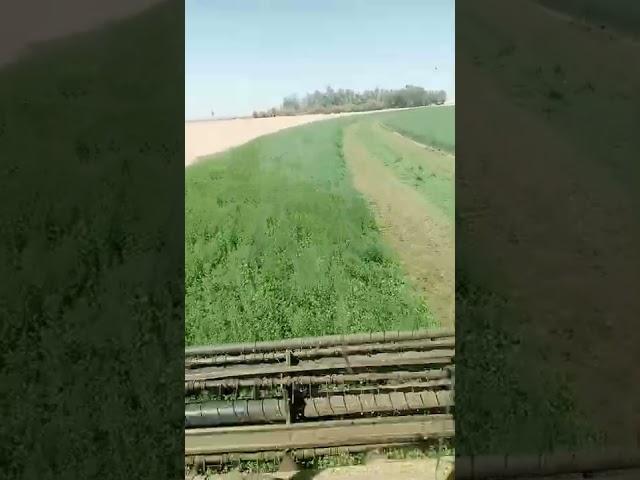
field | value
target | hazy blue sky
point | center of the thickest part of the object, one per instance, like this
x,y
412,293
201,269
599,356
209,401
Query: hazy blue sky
x,y
245,55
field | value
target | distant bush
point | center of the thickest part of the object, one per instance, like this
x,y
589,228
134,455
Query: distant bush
x,y
336,101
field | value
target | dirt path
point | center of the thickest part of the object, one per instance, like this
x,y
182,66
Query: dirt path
x,y
433,159
420,234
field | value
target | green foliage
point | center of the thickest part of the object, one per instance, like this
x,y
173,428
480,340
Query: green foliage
x,y
291,103
429,172
336,101
431,126
279,244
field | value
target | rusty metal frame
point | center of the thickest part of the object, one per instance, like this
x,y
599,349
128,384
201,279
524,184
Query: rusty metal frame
x,y
318,342
367,431
303,395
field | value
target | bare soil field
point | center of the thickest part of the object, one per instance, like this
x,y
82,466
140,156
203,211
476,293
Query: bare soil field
x,y
208,137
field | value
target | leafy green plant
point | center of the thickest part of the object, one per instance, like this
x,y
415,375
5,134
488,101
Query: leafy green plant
x,y
278,243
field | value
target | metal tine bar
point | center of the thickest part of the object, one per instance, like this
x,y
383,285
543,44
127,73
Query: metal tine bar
x,y
304,354
383,360
334,379
324,341
362,431
299,454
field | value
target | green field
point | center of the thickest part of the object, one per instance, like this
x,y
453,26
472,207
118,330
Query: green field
x,y
279,243
428,172
430,126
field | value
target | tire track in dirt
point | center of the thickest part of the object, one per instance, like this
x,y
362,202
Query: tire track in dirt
x,y
419,233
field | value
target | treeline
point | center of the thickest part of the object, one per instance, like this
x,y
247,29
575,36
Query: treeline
x,y
336,101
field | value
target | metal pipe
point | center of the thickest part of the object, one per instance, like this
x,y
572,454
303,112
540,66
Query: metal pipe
x,y
417,428
298,454
382,360
309,353
220,412
317,342
444,383
336,379
317,425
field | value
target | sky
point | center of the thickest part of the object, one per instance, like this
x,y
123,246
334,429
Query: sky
x,y
246,55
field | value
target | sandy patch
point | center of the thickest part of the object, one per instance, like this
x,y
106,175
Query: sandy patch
x,y
206,137
410,469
